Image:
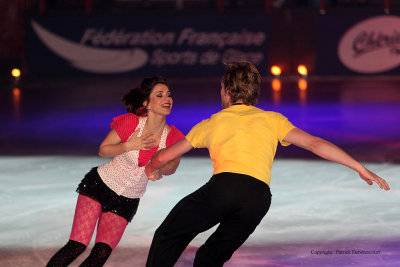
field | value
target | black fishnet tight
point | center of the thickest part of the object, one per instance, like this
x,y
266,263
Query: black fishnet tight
x,y
67,254
98,256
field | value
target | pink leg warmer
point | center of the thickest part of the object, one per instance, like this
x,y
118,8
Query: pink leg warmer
x,y
87,213
110,229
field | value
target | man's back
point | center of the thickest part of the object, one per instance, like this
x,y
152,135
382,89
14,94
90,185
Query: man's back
x,y
241,139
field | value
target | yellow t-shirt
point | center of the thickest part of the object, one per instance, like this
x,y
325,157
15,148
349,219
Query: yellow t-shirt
x,y
242,139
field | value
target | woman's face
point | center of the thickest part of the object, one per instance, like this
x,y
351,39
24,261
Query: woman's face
x,y
160,100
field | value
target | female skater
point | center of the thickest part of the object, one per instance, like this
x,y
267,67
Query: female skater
x,y
109,194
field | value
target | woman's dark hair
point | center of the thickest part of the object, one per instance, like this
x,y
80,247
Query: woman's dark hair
x,y
241,81
134,99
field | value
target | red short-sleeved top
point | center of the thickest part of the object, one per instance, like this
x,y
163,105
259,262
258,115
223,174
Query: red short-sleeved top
x,y
125,126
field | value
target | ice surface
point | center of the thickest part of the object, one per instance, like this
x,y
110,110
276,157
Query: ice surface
x,y
317,206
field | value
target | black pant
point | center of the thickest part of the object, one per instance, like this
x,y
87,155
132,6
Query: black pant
x,y
237,202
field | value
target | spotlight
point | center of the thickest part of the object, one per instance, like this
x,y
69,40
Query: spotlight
x,y
302,70
276,71
16,73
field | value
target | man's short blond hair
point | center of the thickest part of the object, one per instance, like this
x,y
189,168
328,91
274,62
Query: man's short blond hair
x,y
241,81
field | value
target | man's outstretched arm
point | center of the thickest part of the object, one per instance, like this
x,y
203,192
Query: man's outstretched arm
x,y
331,152
160,159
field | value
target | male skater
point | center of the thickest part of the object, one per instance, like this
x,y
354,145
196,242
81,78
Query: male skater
x,y
242,142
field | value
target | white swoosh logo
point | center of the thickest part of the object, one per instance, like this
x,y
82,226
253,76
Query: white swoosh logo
x,y
95,60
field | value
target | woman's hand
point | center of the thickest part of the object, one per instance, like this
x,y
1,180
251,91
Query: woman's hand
x,y
144,142
153,175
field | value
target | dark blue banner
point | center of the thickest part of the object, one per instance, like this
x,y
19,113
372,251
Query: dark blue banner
x,y
171,45
366,45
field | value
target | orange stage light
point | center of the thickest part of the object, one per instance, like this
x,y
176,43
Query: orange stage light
x,y
16,73
302,70
276,70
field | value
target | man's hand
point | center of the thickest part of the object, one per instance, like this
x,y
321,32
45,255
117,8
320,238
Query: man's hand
x,y
370,177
